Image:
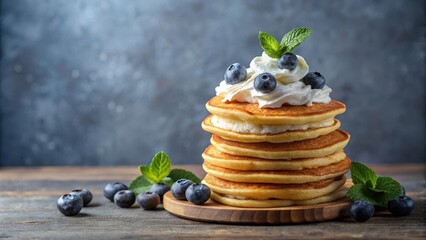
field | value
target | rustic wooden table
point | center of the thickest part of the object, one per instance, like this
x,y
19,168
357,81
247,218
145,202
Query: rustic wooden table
x,y
28,210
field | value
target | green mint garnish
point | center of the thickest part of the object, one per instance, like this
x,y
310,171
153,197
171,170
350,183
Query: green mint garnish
x,y
270,45
361,174
159,171
159,168
290,40
177,174
140,184
294,38
370,187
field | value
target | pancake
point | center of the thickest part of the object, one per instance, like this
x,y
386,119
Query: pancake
x,y
288,136
287,114
318,147
269,203
213,156
279,191
284,177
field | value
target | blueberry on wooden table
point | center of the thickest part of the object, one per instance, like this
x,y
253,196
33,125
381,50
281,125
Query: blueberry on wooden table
x,y
111,188
148,200
124,198
361,210
198,193
402,206
179,187
84,194
69,204
160,189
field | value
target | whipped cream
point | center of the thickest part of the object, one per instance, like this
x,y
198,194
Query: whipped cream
x,y
289,90
264,63
246,127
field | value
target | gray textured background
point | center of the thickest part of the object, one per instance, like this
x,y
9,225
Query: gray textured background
x,y
113,82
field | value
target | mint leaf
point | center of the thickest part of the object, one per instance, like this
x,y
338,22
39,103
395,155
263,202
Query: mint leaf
x,y
388,185
140,184
270,45
360,173
294,38
136,191
146,172
177,174
283,49
370,184
377,190
160,166
361,192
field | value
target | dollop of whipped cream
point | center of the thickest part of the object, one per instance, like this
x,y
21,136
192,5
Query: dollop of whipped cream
x,y
289,90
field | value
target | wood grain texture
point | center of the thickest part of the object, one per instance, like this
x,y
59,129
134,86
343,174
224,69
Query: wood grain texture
x,y
28,211
213,211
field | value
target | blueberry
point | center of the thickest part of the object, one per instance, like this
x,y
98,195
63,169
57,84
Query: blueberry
x,y
288,61
160,189
69,204
198,193
235,73
402,206
361,210
265,83
111,188
85,194
148,200
124,198
179,188
315,79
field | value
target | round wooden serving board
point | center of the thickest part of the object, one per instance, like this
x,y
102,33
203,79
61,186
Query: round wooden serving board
x,y
212,211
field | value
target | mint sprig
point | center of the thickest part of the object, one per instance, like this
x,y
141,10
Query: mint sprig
x,y
361,174
290,41
159,171
270,45
294,38
159,168
368,186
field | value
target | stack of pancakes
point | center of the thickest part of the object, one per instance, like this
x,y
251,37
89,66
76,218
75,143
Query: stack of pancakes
x,y
301,163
